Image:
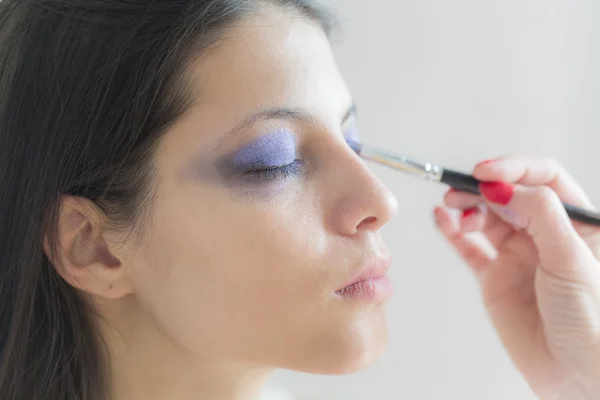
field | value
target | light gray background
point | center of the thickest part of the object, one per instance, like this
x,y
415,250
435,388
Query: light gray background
x,y
457,82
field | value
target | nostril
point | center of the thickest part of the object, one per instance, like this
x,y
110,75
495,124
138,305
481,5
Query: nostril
x,y
368,221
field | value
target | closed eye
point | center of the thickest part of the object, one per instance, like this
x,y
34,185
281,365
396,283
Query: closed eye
x,y
268,174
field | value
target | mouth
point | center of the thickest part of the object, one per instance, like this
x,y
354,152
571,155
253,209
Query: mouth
x,y
371,284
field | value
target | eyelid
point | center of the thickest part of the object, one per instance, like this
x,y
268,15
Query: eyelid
x,y
272,174
265,167
352,133
273,149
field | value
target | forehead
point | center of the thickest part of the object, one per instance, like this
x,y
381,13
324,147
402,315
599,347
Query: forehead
x,y
269,59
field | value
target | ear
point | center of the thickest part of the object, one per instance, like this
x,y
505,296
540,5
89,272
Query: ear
x,y
83,258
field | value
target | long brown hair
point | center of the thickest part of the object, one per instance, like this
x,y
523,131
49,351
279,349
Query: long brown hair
x,y
87,87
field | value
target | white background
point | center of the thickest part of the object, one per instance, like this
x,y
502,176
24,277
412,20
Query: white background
x,y
457,82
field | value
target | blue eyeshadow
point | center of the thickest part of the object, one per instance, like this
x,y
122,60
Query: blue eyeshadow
x,y
269,151
353,139
352,135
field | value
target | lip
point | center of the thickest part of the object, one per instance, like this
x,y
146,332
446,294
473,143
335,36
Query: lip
x,y
371,283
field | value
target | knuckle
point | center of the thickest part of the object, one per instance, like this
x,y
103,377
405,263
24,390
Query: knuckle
x,y
544,199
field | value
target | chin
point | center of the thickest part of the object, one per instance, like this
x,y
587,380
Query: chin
x,y
346,350
356,356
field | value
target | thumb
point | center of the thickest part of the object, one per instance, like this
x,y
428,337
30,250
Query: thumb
x,y
540,212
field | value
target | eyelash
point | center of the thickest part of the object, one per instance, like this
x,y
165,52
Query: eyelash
x,y
276,173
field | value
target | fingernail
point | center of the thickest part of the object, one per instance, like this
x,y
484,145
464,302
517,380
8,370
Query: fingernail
x,y
468,212
486,162
497,192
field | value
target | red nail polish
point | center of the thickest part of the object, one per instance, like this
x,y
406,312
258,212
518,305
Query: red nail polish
x,y
468,212
497,192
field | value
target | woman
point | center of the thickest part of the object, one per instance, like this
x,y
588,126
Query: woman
x,y
181,214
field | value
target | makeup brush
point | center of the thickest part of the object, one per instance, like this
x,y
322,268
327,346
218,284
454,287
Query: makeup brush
x,y
457,180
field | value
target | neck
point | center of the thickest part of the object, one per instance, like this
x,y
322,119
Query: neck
x,y
162,379
145,364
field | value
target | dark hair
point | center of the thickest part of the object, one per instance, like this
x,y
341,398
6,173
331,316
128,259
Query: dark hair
x,y
87,88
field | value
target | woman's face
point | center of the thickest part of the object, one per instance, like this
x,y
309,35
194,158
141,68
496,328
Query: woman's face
x,y
263,211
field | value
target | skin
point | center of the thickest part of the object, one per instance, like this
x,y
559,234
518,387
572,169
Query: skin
x,y
236,276
539,273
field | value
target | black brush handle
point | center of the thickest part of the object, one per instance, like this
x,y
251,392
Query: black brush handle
x,y
460,181
467,183
581,215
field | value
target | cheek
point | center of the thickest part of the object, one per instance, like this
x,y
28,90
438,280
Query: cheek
x,y
260,252
229,270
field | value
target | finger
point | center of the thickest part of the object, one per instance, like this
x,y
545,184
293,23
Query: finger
x,y
461,200
496,230
493,227
475,252
539,211
473,219
534,172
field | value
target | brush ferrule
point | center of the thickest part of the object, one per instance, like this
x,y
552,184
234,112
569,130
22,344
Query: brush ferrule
x,y
424,170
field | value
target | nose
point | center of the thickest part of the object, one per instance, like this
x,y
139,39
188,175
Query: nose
x,y
358,200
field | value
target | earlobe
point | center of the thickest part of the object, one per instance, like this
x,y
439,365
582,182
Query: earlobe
x,y
84,259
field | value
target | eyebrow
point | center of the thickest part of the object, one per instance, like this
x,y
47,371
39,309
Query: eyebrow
x,y
291,114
